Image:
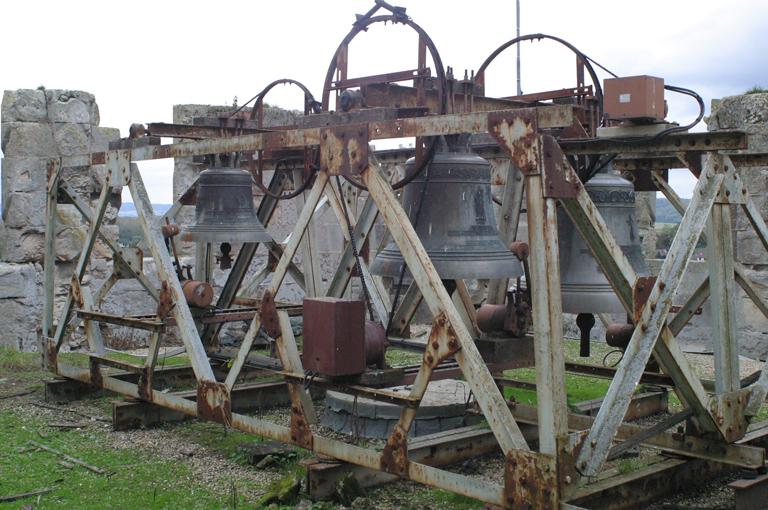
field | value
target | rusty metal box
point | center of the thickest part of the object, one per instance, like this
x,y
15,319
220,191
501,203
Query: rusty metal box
x,y
634,98
334,336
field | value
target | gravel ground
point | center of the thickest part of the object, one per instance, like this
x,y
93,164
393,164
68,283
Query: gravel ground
x,y
218,472
206,465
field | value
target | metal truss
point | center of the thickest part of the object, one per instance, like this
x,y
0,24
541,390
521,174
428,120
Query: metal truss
x,y
570,450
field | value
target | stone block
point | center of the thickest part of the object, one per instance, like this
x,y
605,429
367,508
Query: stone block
x,y
80,179
21,332
72,139
70,233
17,281
748,112
25,210
23,245
72,106
101,136
26,139
24,105
749,249
24,174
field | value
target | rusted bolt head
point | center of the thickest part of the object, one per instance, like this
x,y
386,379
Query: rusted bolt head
x,y
435,344
430,359
453,344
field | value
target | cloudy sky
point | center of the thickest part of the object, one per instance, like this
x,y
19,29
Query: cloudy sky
x,y
139,58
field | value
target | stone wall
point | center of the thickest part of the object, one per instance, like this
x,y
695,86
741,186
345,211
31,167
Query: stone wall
x,y
749,113
38,125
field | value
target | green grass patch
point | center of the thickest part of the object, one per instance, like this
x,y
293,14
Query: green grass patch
x,y
135,480
400,357
578,388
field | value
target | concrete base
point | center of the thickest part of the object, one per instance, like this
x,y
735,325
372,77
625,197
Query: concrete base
x,y
443,408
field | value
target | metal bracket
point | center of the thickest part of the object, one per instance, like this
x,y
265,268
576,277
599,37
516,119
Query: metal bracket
x,y
50,353
214,402
394,456
95,371
344,149
130,262
145,384
640,294
555,183
516,134
642,179
301,434
165,303
438,351
728,410
268,315
530,480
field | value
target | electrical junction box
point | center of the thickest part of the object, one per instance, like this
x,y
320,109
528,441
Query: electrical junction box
x,y
334,336
635,98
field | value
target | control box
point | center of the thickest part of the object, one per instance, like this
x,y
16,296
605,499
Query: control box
x,y
634,98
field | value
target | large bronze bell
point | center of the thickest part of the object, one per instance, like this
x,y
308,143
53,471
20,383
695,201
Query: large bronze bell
x,y
584,287
224,211
456,222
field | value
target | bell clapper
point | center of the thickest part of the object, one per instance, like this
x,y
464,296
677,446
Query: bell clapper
x,y
225,259
585,322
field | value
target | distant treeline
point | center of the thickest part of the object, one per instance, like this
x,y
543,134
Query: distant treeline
x,y
666,213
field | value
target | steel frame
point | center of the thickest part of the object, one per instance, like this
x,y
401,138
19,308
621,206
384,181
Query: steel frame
x,y
565,461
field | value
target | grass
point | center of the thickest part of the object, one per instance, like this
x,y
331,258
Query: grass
x,y
134,480
400,357
757,89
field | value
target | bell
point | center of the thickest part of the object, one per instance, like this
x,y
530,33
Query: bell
x,y
584,287
456,223
224,211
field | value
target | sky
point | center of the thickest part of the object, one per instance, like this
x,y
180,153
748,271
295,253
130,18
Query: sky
x,y
141,58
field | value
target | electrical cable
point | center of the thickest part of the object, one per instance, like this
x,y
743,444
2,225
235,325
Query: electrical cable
x,y
668,131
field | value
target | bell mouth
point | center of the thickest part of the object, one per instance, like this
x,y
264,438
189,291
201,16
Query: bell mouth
x,y
452,266
226,234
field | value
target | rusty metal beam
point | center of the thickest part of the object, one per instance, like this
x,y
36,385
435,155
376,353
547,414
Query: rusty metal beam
x,y
549,117
707,141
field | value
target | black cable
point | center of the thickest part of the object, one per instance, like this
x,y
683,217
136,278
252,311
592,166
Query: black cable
x,y
356,255
668,131
598,64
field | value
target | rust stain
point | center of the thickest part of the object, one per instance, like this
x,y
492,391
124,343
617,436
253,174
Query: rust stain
x,y
640,294
394,456
530,481
268,315
301,434
214,402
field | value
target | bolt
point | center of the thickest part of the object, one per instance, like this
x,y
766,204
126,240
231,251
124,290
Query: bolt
x,y
435,344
